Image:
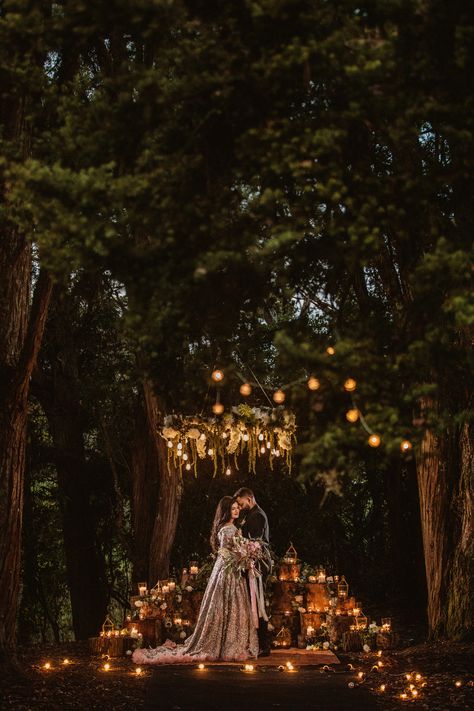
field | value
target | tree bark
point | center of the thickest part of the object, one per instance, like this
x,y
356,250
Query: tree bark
x,y
21,331
445,486
85,563
157,492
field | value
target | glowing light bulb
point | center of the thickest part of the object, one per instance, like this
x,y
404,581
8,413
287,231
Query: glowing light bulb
x,y
350,385
245,389
218,408
330,350
313,383
279,397
106,666
352,415
217,375
406,446
374,440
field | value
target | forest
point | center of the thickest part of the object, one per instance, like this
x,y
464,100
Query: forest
x,y
282,190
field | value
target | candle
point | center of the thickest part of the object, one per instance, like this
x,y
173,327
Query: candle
x,y
322,577
309,631
194,570
312,578
171,585
165,589
142,588
177,620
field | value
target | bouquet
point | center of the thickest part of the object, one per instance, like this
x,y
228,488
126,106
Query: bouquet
x,y
243,554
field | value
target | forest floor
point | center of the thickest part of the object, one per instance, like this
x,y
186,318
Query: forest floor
x,y
445,683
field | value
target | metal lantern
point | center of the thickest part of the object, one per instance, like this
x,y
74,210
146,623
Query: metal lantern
x,y
342,587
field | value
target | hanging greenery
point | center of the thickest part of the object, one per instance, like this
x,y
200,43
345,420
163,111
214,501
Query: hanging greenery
x,y
258,431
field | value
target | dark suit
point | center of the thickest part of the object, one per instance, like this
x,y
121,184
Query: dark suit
x,y
255,525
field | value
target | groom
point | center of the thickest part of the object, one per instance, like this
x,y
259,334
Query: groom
x,y
254,523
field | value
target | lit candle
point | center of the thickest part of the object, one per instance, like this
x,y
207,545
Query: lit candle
x,y
194,570
165,589
172,585
142,588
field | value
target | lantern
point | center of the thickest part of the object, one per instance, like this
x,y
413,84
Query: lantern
x,y
290,556
342,587
107,627
283,638
245,389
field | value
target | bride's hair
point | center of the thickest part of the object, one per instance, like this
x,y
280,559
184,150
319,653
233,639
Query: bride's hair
x,y
223,515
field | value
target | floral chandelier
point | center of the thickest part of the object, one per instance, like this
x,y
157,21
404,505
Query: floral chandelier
x,y
266,433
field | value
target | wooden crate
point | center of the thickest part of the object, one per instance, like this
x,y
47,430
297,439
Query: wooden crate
x,y
150,629
338,625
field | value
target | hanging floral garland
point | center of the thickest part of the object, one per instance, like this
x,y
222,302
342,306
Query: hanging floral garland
x,y
258,431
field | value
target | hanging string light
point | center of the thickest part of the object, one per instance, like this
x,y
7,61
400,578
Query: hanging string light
x,y
330,350
406,446
218,408
217,375
245,389
279,397
313,383
352,415
374,440
350,385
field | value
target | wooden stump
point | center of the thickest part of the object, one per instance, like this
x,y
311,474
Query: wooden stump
x,y
337,625
386,640
283,592
351,641
311,619
113,646
317,596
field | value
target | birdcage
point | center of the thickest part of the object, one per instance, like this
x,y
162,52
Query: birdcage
x,y
283,638
342,587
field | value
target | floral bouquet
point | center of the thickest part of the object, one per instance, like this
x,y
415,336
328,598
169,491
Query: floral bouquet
x,y
242,557
243,554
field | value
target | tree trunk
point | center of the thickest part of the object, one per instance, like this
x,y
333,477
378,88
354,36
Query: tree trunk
x,y
85,563
20,337
157,493
447,515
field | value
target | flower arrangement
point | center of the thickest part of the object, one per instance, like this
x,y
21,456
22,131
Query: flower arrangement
x,y
258,431
243,554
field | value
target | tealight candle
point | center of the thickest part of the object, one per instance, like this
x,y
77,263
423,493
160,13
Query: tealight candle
x,y
194,570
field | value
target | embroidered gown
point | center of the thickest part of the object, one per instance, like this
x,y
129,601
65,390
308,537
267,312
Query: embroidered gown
x,y
224,629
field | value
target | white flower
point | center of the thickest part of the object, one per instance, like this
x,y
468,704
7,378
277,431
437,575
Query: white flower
x,y
128,652
366,648
182,635
189,588
138,603
163,606
301,609
325,645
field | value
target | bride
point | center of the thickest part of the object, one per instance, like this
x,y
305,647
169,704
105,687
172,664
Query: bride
x,y
224,629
